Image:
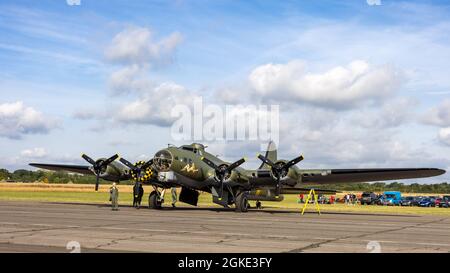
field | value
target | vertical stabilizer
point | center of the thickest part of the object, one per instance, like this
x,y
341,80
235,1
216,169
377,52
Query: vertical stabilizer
x,y
271,154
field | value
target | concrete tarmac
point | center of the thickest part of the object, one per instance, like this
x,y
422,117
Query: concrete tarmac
x,y
49,227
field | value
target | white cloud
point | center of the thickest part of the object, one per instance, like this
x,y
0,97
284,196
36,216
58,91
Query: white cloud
x,y
154,106
129,79
340,86
34,153
17,120
393,113
444,135
136,45
438,115
136,51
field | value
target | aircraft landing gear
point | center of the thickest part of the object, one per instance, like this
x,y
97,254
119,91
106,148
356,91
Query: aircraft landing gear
x,y
241,202
154,200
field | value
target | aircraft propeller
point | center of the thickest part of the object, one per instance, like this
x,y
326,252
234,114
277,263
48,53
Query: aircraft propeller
x,y
280,169
223,171
99,166
137,169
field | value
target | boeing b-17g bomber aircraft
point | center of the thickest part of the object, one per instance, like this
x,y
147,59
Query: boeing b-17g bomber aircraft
x,y
193,169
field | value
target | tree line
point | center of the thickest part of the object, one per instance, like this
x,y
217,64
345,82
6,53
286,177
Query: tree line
x,y
63,178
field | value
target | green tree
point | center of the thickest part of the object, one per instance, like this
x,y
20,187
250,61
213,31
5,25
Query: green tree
x,y
4,174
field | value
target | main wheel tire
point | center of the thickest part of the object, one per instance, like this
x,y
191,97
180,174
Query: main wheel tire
x,y
241,202
153,202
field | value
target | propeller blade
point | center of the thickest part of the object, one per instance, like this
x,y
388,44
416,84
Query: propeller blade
x,y
127,163
266,160
280,170
235,164
97,181
88,159
293,162
209,163
146,164
98,166
110,160
221,190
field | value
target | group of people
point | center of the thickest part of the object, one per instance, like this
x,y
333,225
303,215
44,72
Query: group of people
x,y
138,192
350,199
322,199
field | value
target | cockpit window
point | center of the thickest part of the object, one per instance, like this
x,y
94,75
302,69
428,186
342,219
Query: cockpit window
x,y
187,148
163,160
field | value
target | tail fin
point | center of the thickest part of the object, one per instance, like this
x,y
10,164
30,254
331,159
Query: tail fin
x,y
271,154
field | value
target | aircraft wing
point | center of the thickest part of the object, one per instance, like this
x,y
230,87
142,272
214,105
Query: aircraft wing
x,y
332,176
68,168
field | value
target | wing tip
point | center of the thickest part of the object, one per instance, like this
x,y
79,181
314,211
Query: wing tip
x,y
439,171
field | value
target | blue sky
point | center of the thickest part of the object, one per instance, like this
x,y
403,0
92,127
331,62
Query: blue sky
x,y
359,85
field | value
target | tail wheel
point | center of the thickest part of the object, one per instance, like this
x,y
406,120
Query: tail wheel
x,y
241,202
153,201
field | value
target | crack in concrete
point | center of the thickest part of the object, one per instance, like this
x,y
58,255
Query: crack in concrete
x,y
114,242
228,239
319,244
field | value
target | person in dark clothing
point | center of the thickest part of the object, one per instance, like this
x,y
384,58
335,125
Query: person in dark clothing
x,y
140,194
136,191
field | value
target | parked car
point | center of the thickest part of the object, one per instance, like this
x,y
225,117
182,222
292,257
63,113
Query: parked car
x,y
427,202
410,201
368,198
437,202
445,203
391,198
379,200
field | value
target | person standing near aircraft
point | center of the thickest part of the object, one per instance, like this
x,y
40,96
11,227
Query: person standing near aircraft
x,y
347,199
332,199
135,194
114,197
174,196
140,194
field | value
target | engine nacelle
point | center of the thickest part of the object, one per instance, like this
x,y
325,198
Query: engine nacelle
x,y
285,173
113,172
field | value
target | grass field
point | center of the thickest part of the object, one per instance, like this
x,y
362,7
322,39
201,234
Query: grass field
x,y
85,194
